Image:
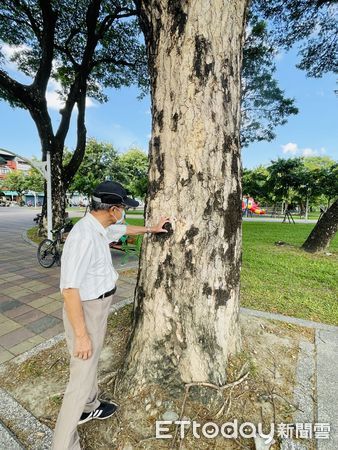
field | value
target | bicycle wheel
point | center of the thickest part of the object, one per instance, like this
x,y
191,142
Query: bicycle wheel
x,y
46,253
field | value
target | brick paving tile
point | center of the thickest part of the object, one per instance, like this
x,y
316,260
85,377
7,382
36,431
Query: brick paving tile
x,y
32,296
26,345
17,277
14,313
56,295
29,317
41,302
5,355
50,290
58,313
57,329
41,325
50,307
9,304
33,283
22,347
2,318
8,326
15,337
22,293
4,297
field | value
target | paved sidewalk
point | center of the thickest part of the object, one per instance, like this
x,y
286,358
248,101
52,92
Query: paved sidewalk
x,y
30,299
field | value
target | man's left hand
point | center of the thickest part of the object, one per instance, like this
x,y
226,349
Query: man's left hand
x,y
159,227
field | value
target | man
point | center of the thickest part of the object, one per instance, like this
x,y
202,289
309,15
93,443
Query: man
x,y
87,283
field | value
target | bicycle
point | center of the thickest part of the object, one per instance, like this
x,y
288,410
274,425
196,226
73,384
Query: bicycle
x,y
50,251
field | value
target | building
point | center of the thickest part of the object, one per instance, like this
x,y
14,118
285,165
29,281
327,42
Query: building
x,y
9,162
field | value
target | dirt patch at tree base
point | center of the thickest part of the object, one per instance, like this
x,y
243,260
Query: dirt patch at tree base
x,y
263,377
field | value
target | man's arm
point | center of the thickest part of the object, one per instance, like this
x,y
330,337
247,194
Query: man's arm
x,y
83,346
134,229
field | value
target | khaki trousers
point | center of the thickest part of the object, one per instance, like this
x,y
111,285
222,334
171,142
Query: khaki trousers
x,y
81,394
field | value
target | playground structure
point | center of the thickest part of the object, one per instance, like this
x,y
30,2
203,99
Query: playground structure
x,y
249,204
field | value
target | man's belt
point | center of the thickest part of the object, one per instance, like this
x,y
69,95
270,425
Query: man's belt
x,y
107,294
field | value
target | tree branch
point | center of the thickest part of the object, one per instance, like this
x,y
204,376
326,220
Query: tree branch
x,y
15,89
121,62
83,69
65,50
33,23
73,165
47,46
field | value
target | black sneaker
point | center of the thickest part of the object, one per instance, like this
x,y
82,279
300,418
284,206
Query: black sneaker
x,y
104,411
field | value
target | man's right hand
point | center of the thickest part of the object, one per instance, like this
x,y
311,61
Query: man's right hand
x,y
83,347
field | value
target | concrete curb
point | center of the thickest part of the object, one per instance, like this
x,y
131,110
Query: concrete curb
x,y
327,387
38,435
289,319
27,240
304,392
8,440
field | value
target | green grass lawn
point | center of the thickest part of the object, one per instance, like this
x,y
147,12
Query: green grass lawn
x,y
138,212
285,279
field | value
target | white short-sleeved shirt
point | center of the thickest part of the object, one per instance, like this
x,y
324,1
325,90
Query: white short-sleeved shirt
x,y
86,261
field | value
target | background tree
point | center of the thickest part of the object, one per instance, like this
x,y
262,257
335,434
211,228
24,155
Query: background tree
x,y
324,231
284,179
187,291
313,26
100,160
264,105
85,46
327,226
310,24
134,167
328,183
15,181
254,183
34,181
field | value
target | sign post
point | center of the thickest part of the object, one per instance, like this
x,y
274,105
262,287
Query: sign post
x,y
44,167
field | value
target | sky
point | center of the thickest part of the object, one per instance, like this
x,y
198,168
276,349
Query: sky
x,y
125,121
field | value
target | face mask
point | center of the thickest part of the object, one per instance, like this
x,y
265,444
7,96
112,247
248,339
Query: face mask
x,y
120,221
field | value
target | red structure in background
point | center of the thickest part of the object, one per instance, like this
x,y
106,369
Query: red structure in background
x,y
9,162
249,205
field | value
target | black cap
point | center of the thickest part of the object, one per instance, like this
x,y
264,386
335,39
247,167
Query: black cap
x,y
113,193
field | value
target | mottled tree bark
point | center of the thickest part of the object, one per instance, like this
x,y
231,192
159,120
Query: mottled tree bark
x,y
187,294
324,230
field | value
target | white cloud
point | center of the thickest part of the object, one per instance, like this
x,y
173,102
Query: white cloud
x,y
9,51
55,102
308,152
293,148
290,148
53,99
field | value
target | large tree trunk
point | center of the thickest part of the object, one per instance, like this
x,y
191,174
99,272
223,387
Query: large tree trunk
x,y
187,294
324,230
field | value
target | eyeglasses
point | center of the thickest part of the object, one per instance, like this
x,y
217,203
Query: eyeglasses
x,y
125,207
